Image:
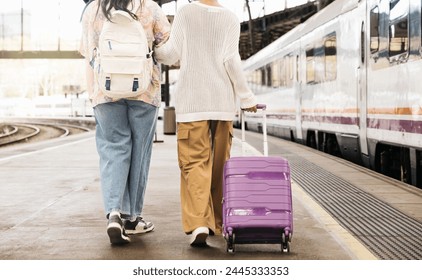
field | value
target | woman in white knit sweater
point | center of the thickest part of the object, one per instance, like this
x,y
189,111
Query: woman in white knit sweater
x,y
205,40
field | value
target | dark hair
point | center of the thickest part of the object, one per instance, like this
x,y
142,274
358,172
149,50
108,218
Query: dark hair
x,y
107,5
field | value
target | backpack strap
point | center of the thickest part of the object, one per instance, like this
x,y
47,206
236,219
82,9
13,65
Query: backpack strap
x,y
86,6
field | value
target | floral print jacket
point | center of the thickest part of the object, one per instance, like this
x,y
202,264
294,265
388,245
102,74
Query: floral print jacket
x,y
157,28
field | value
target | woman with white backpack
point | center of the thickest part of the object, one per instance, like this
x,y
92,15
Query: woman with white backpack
x,y
126,119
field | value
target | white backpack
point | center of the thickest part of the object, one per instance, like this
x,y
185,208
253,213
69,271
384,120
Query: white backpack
x,y
124,62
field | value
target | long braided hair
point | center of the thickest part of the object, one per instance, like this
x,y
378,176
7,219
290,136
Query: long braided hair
x,y
107,5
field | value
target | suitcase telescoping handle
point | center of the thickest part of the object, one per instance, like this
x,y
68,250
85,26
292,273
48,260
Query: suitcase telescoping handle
x,y
263,108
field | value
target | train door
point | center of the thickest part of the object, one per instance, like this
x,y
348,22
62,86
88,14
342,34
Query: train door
x,y
362,84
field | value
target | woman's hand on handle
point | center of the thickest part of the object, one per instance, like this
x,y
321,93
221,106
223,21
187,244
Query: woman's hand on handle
x,y
250,109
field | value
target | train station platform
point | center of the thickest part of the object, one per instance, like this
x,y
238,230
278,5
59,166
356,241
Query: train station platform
x,y
51,207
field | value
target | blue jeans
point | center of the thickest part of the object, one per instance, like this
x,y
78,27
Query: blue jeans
x,y
124,137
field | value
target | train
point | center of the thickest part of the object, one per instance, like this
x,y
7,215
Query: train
x,y
347,82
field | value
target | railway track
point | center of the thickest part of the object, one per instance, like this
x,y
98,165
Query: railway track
x,y
14,133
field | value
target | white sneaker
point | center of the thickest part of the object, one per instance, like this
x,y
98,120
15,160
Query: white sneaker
x,y
199,236
115,230
138,226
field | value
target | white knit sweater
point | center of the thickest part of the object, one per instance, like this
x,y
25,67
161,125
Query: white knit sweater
x,y
205,39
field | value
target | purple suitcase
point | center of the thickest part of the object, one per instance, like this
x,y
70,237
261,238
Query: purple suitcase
x,y
257,200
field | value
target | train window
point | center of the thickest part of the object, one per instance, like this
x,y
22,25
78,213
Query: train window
x,y
263,76
319,58
269,75
257,77
374,31
297,68
330,49
288,74
275,74
310,66
399,27
291,69
362,43
283,81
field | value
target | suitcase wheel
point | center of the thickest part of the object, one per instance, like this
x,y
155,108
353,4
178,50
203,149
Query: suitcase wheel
x,y
285,242
230,243
285,247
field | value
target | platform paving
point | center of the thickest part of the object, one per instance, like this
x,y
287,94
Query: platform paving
x,y
51,208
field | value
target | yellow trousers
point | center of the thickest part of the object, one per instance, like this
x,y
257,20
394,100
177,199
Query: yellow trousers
x,y
203,147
